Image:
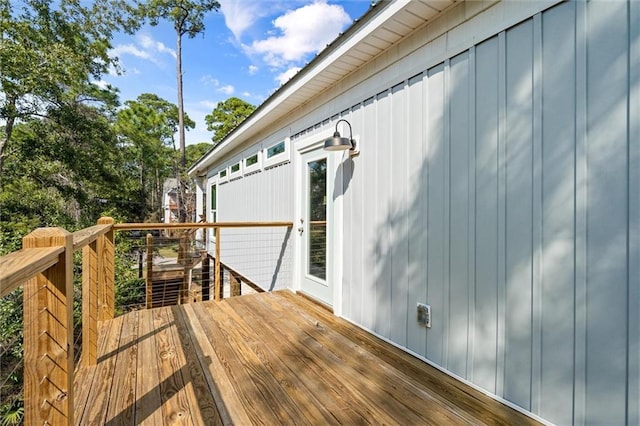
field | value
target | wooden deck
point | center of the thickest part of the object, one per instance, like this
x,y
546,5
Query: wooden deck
x,y
269,358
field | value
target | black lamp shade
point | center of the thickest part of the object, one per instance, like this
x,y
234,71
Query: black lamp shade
x,y
337,143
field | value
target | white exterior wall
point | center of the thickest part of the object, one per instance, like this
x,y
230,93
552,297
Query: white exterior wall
x,y
264,255
501,187
499,182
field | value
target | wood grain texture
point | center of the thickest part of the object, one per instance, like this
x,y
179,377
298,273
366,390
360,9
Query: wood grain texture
x,y
48,333
275,358
86,236
199,225
19,266
89,304
106,272
218,281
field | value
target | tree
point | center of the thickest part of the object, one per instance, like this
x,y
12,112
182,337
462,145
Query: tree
x,y
145,135
52,56
226,116
188,19
196,151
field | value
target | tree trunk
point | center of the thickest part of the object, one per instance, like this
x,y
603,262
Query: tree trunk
x,y
8,130
180,103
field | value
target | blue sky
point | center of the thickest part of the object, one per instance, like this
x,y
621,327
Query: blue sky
x,y
248,50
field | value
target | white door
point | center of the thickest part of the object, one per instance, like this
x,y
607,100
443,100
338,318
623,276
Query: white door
x,y
315,226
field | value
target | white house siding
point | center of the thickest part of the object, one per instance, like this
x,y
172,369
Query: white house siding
x,y
263,255
499,182
501,186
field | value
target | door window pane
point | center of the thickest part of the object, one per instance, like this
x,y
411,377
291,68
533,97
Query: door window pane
x,y
317,219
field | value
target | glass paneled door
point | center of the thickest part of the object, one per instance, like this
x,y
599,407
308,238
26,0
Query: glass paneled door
x,y
314,227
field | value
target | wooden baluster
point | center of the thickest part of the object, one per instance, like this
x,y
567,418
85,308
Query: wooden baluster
x,y
218,282
234,284
106,272
90,304
149,277
48,334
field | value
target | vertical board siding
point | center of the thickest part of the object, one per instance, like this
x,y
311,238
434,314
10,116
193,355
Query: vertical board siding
x,y
607,196
354,189
459,216
519,208
370,207
416,196
383,213
500,186
633,350
435,213
398,217
486,189
263,255
558,188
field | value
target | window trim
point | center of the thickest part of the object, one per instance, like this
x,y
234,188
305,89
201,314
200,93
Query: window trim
x,y
235,174
282,157
252,167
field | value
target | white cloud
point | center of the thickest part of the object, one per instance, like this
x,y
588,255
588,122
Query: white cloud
x,y
150,44
301,31
242,14
253,69
285,76
209,80
145,48
227,90
130,49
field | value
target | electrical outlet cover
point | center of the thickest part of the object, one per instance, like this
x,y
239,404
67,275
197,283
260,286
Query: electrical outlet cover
x,y
424,315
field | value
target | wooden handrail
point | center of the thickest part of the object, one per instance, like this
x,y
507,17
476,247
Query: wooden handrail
x,y
86,236
192,225
22,265
45,266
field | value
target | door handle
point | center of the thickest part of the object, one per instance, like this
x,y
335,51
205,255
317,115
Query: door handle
x,y
301,228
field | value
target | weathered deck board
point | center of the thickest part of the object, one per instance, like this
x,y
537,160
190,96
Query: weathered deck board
x,y
268,358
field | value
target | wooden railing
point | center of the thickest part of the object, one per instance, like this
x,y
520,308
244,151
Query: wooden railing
x,y
44,267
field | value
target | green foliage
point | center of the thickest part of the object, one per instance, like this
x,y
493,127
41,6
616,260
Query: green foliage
x,y
226,116
12,414
196,151
187,16
51,54
146,127
130,289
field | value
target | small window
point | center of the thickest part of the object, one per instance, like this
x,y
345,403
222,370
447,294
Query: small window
x,y
223,173
250,161
277,153
275,149
235,170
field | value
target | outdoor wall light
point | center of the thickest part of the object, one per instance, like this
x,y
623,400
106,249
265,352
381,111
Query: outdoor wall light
x,y
338,143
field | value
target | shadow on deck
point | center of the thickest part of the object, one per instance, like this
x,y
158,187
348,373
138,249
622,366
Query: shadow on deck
x,y
269,358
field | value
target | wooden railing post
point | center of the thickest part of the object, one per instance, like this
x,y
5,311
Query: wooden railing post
x,y
149,276
90,304
218,282
106,272
48,334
